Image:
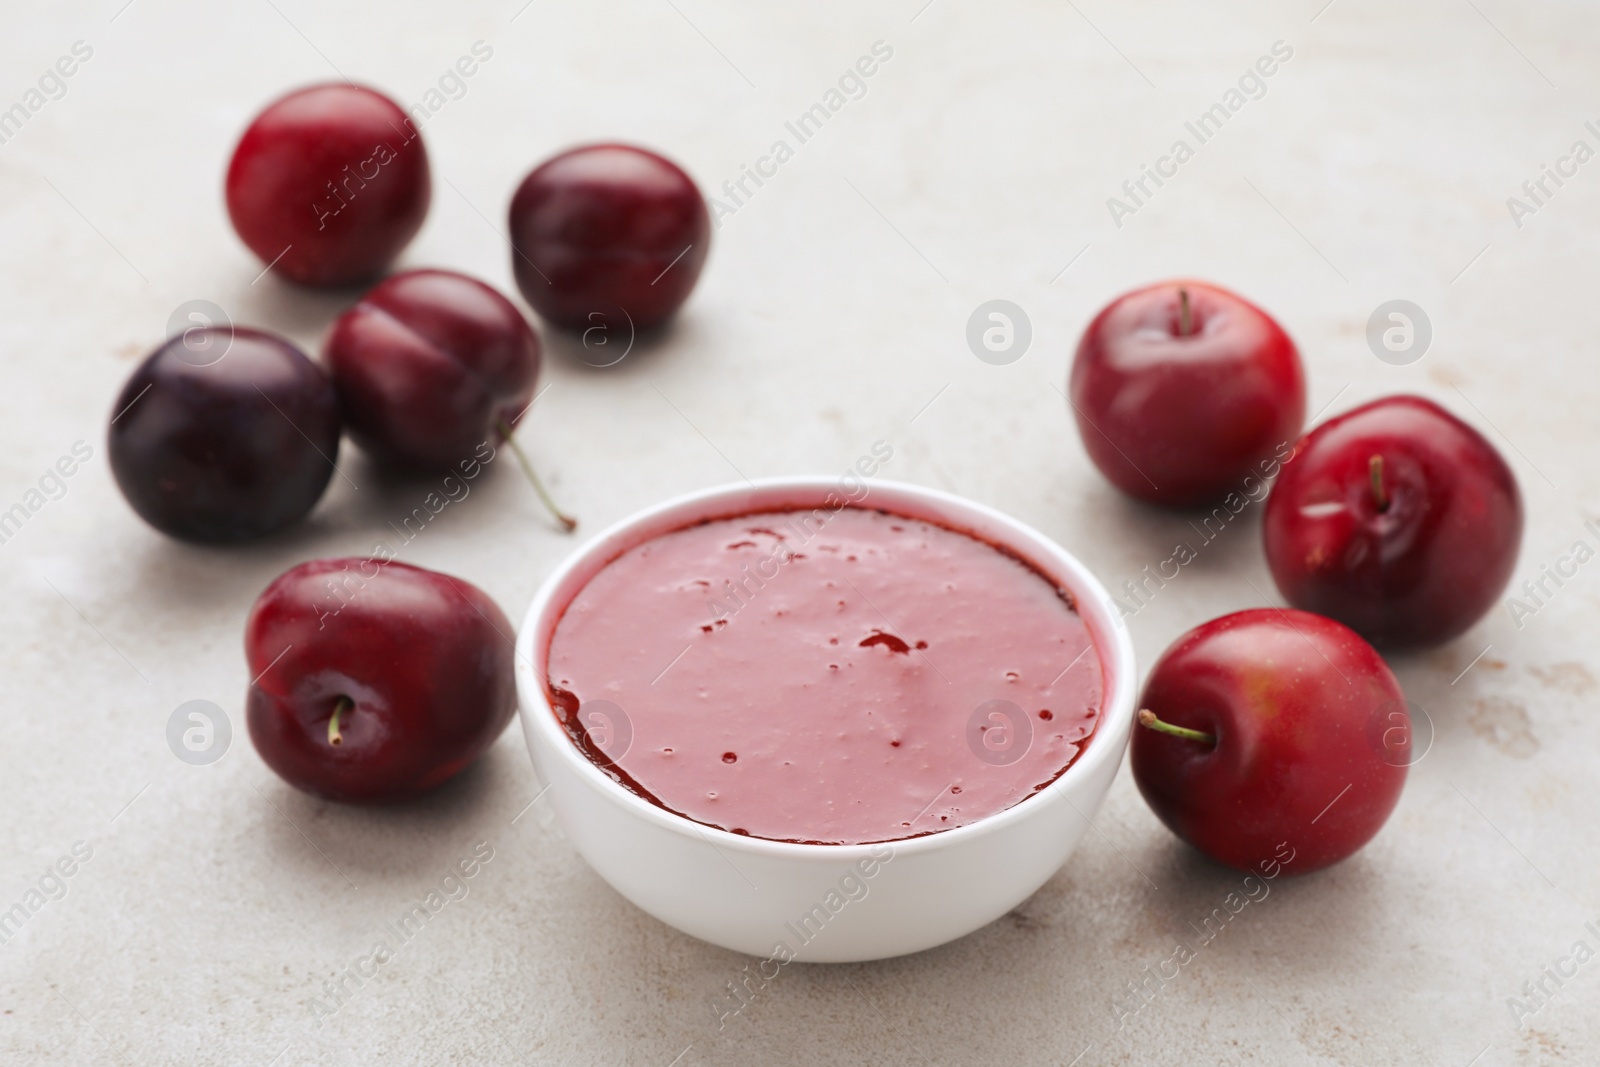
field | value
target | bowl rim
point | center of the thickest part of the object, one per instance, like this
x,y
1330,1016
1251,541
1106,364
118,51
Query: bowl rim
x,y
1095,606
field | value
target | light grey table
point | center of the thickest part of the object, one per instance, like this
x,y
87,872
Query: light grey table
x,y
217,905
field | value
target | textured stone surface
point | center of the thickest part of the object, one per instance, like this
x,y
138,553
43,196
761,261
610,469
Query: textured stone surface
x,y
1376,166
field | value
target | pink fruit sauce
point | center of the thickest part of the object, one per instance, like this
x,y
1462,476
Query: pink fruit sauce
x,y
827,678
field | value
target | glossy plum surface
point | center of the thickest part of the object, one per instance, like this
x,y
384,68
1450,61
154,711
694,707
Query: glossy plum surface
x,y
608,231
426,366
1411,556
1298,768
328,184
224,434
1178,408
421,661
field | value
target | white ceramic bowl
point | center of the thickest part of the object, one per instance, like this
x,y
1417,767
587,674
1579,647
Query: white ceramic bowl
x,y
822,903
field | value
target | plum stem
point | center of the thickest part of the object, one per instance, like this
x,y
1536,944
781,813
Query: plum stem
x,y
1148,720
334,736
1375,476
568,523
1185,319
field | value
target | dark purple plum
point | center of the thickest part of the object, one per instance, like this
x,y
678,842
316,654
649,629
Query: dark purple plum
x,y
224,434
